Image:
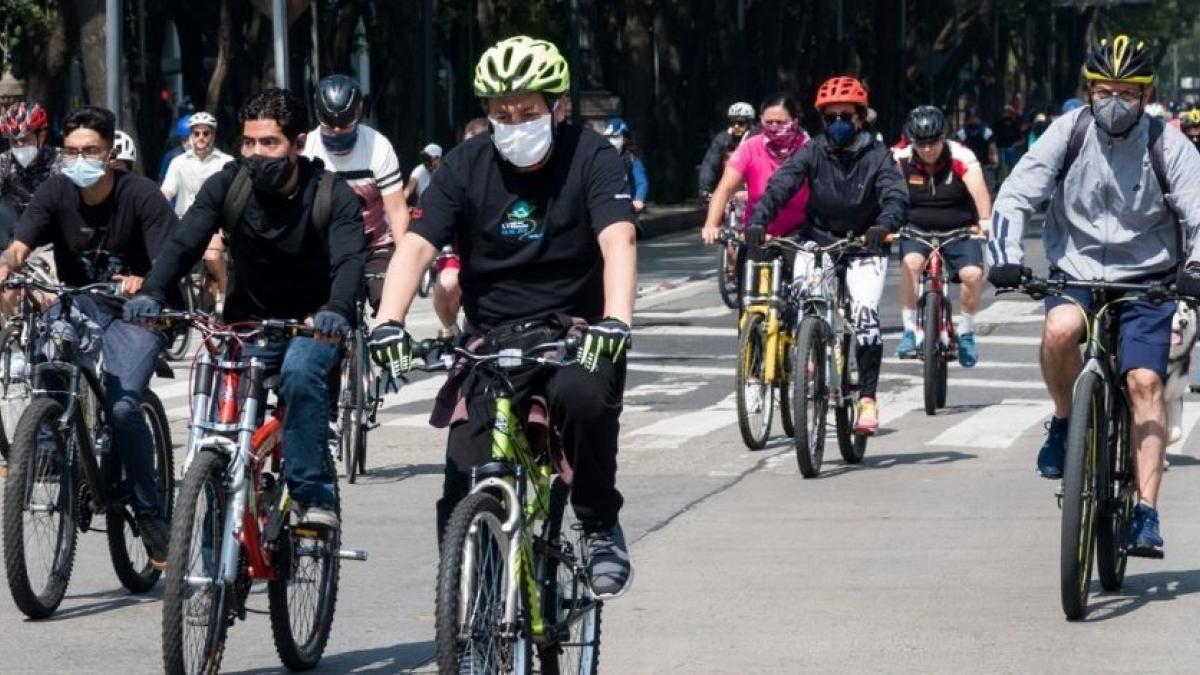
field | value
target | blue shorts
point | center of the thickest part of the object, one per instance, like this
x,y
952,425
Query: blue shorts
x,y
956,254
1144,331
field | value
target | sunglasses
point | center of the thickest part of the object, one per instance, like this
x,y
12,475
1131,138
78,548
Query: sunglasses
x,y
201,133
830,118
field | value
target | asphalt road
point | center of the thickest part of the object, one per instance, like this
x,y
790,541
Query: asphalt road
x,y
939,553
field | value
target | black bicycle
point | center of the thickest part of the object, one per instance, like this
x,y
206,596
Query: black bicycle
x,y
1099,488
359,397
64,469
730,260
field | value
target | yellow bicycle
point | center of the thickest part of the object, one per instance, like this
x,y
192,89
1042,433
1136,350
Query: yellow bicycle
x,y
766,344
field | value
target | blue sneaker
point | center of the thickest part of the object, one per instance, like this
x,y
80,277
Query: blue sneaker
x,y
907,349
1051,457
1144,539
968,353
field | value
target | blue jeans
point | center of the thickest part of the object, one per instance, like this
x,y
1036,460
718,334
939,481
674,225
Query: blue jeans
x,y
130,353
304,393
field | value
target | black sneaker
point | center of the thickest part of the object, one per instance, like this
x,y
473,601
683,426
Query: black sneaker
x,y
607,560
155,536
1144,538
1052,457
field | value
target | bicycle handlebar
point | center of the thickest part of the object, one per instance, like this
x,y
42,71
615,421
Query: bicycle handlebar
x,y
110,289
439,355
1156,292
945,237
241,330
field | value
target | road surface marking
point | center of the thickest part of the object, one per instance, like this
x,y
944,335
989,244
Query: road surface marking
x,y
995,426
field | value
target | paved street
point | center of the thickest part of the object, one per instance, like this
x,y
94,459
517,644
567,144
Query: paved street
x,y
939,553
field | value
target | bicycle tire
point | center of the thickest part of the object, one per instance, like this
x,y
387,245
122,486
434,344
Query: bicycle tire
x,y
182,341
931,349
10,413
366,403
350,396
306,652
809,379
204,480
751,355
428,278
1085,441
30,467
852,446
1117,500
944,368
729,294
575,651
476,513
131,564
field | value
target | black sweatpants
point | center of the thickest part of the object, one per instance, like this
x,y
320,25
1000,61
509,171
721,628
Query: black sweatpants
x,y
584,407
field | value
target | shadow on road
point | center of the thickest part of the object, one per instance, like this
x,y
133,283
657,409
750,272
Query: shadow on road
x,y
106,601
898,459
394,473
401,658
1142,589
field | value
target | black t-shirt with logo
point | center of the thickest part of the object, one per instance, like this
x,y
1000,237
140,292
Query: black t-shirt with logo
x,y
528,240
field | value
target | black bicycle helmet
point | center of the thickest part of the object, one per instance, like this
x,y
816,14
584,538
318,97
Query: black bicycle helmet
x,y
1120,59
338,101
925,122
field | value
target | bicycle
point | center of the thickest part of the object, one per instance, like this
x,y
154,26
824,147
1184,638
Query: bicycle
x,y
511,576
1098,491
359,397
730,263
430,275
64,470
935,312
232,524
766,342
825,367
196,289
17,350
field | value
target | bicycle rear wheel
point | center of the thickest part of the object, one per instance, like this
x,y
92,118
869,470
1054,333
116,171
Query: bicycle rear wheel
x,y
852,446
130,559
1085,445
811,399
1117,498
783,386
182,342
572,616
15,391
40,511
196,612
351,401
303,598
471,588
755,401
931,350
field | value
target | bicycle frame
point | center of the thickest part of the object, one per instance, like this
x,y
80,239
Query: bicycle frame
x,y
763,297
823,295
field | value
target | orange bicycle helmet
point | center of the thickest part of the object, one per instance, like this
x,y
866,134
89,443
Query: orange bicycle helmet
x,y
841,89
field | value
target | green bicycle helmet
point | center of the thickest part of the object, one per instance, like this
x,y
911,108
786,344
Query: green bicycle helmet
x,y
1120,59
519,65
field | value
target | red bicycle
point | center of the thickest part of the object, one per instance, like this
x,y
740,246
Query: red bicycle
x,y
937,343
233,525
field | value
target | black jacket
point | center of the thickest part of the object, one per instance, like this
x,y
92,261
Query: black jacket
x,y
711,167
848,192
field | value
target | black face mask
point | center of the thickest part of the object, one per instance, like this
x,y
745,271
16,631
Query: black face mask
x,y
1039,127
269,174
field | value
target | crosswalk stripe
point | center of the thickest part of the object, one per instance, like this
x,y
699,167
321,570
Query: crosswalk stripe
x,y
982,365
696,423
995,426
965,382
697,313
680,370
687,331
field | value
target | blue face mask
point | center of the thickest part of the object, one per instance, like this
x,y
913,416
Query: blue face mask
x,y
340,143
84,172
840,133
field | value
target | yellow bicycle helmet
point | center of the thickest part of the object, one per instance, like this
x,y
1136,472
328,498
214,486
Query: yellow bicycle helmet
x,y
1120,59
1189,118
519,65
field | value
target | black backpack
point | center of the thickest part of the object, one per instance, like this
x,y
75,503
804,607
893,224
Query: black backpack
x,y
240,191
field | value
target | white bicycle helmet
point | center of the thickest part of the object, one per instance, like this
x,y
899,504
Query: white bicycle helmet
x,y
740,110
124,146
203,118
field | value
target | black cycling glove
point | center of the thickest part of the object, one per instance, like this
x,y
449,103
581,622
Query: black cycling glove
x,y
1008,275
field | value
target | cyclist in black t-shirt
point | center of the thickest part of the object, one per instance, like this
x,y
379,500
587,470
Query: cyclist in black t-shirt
x,y
541,214
107,224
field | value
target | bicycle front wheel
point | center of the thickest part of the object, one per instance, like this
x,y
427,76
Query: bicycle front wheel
x,y
572,616
727,277
931,350
811,399
131,560
1085,446
303,598
471,590
351,399
39,511
852,446
196,612
755,400
1117,498
15,391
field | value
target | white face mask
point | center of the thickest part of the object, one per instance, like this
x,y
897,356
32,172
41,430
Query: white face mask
x,y
525,144
617,141
25,154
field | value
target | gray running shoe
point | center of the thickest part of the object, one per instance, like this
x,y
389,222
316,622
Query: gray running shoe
x,y
316,517
607,560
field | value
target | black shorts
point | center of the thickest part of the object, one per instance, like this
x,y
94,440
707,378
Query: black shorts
x,y
377,263
957,254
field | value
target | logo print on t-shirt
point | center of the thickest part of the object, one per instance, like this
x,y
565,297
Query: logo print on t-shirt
x,y
519,223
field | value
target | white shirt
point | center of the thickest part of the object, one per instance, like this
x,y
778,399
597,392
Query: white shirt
x,y
187,173
371,169
422,175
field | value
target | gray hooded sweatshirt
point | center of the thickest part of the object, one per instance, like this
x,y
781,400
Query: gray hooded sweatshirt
x,y
1108,219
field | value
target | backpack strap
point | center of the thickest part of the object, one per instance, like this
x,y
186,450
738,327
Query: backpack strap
x,y
1158,162
235,203
322,208
1075,144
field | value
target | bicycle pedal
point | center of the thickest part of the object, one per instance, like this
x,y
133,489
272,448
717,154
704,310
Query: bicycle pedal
x,y
351,554
1058,494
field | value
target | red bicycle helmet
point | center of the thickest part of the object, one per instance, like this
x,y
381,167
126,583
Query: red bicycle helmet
x,y
841,89
22,118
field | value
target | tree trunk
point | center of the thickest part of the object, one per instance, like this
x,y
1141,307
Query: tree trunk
x,y
91,45
212,100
